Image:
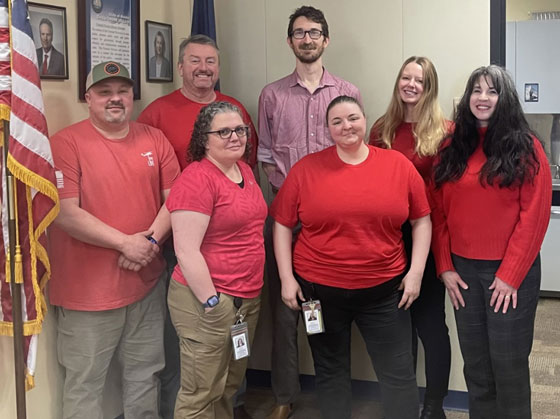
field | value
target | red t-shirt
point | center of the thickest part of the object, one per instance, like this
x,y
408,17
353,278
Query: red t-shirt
x,y
233,246
120,183
351,216
489,222
175,115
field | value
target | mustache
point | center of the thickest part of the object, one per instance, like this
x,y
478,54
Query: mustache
x,y
308,47
115,105
204,73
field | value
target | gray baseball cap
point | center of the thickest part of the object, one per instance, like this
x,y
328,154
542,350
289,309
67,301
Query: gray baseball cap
x,y
107,70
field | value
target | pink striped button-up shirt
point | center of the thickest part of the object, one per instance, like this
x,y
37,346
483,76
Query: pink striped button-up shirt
x,y
292,121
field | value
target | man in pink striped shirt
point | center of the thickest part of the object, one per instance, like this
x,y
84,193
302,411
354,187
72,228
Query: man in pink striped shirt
x,y
292,124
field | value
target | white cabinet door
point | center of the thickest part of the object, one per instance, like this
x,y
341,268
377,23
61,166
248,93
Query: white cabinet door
x,y
537,60
550,254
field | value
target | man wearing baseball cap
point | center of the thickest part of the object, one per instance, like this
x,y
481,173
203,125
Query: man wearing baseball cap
x,y
113,176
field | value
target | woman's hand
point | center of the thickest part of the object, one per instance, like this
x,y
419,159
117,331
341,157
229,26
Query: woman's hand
x,y
452,282
503,293
411,285
290,293
421,235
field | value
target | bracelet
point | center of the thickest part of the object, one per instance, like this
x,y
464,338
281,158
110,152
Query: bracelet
x,y
154,241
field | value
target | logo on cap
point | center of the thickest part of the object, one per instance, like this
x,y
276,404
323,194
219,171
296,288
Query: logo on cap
x,y
112,69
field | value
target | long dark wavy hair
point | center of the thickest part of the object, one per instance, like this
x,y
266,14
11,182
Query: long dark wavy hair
x,y
203,124
508,143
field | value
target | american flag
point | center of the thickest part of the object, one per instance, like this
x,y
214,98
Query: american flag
x,y
30,161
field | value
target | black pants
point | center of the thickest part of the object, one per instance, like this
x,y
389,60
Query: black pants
x,y
284,357
170,376
496,346
386,332
428,324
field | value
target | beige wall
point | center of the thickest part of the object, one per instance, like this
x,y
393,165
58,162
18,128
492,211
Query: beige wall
x,y
369,41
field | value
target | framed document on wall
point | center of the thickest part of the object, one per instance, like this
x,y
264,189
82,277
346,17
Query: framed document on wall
x,y
109,30
48,24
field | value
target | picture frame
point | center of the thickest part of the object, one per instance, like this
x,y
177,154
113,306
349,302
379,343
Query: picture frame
x,y
109,30
50,35
531,92
159,52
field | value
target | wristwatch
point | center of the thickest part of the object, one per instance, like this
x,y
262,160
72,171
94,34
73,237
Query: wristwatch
x,y
211,302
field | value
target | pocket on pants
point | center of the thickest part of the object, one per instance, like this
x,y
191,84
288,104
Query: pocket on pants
x,y
206,348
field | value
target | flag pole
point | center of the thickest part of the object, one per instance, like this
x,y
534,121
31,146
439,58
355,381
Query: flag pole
x,y
16,288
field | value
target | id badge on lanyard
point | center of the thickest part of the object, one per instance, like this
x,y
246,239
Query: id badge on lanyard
x,y
313,316
240,333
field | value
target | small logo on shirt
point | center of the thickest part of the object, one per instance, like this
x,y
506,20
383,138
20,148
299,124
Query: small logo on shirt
x,y
148,155
59,179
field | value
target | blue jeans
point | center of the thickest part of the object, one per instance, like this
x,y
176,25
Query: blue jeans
x,y
386,331
496,346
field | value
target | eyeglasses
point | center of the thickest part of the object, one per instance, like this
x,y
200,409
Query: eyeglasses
x,y
226,133
300,33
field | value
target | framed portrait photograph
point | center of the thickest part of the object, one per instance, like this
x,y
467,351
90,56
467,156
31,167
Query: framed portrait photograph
x,y
48,24
108,30
159,52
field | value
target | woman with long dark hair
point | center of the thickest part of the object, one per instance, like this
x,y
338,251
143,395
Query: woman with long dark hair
x,y
491,207
414,125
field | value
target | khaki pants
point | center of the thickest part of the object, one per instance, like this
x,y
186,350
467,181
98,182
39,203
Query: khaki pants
x,y
209,374
88,340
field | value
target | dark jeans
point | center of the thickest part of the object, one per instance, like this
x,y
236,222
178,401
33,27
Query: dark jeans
x,y
284,358
386,332
428,324
496,346
170,376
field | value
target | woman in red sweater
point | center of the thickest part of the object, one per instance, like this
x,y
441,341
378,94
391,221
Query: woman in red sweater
x,y
414,125
351,200
491,208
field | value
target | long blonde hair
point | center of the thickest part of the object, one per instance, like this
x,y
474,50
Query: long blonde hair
x,y
431,128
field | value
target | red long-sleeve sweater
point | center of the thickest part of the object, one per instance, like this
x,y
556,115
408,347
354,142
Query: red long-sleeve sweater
x,y
489,222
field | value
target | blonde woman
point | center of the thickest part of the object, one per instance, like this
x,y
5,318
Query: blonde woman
x,y
414,125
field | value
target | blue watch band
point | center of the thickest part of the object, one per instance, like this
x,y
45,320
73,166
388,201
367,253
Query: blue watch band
x,y
211,302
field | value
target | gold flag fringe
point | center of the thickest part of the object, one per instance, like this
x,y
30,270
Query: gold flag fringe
x,y
29,381
4,113
37,250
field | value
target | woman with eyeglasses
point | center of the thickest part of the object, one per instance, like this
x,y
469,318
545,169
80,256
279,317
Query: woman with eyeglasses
x,y
414,125
492,198
217,214
351,200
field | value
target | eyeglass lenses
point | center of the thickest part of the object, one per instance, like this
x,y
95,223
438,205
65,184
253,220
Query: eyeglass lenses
x,y
227,132
313,33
